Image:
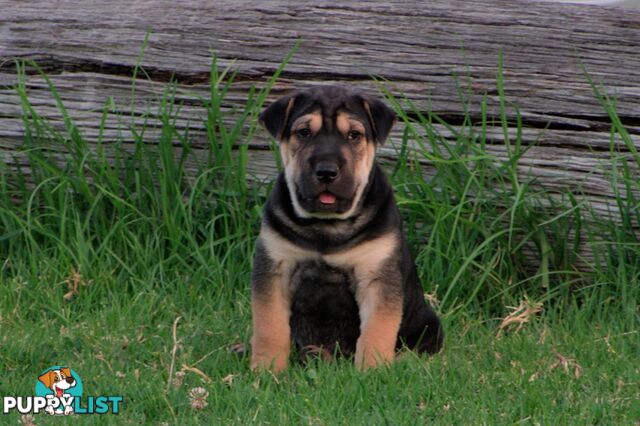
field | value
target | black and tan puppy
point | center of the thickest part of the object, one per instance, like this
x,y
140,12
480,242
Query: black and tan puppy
x,y
332,268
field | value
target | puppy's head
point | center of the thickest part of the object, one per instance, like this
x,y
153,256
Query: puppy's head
x,y
58,380
328,137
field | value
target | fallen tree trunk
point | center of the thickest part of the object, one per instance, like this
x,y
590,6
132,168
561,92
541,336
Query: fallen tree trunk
x,y
431,52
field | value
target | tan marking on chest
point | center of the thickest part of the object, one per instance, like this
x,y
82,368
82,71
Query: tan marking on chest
x,y
281,249
365,258
285,255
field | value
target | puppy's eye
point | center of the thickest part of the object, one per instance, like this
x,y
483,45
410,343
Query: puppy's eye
x,y
354,135
56,380
303,133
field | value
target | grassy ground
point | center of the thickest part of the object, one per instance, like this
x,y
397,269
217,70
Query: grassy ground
x,y
122,272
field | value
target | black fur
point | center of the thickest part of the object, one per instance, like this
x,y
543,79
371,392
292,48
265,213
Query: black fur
x,y
324,311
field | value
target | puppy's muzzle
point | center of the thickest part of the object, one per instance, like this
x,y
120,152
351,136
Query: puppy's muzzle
x,y
326,163
326,171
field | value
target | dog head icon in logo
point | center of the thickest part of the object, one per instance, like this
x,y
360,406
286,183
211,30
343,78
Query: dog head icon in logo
x,y
60,385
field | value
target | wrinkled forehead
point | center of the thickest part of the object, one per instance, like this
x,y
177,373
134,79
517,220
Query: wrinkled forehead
x,y
328,108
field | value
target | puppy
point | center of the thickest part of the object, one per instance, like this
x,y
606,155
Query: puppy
x,y
59,381
332,268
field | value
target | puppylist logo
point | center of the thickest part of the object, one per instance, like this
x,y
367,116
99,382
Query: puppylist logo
x,y
59,392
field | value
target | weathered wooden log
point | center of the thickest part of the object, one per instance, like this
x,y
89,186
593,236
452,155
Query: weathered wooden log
x,y
432,52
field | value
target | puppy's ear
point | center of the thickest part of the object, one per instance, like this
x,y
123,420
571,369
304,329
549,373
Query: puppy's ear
x,y
66,371
47,378
381,118
276,116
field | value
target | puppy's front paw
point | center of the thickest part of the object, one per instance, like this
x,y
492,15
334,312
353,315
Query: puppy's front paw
x,y
273,362
369,355
267,355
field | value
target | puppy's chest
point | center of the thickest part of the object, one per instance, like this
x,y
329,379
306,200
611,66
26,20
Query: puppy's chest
x,y
307,275
357,264
320,290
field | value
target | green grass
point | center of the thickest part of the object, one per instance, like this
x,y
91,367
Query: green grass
x,y
146,246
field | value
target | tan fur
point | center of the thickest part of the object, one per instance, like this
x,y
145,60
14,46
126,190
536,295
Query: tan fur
x,y
271,332
365,258
363,162
346,123
288,149
48,378
362,168
313,121
286,114
283,252
365,155
379,329
271,341
288,146
367,108
380,316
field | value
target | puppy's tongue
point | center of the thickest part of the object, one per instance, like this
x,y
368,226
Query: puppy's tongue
x,y
327,198
59,392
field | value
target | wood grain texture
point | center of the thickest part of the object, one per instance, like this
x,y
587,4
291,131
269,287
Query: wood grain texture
x,y
429,51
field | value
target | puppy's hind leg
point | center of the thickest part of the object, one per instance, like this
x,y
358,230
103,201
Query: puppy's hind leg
x,y
428,335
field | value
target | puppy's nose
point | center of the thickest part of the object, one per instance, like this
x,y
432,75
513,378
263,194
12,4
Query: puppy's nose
x,y
70,380
326,172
